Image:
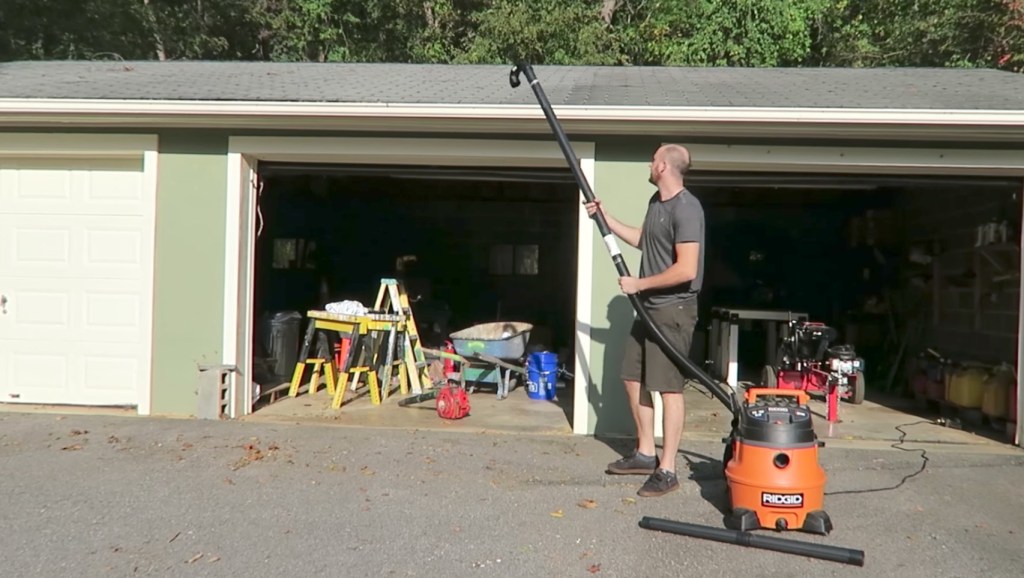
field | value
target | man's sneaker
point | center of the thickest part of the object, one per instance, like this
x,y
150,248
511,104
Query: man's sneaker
x,y
660,483
634,463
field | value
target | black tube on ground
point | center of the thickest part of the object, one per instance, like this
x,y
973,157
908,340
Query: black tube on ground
x,y
820,551
720,391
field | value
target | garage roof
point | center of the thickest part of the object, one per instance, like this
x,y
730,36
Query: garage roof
x,y
903,88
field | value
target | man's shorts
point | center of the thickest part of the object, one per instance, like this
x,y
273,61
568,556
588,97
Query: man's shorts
x,y
644,360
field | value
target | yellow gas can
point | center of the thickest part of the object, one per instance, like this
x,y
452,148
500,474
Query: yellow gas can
x,y
966,389
995,401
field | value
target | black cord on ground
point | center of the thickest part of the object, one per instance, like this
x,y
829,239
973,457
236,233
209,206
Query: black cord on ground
x,y
903,436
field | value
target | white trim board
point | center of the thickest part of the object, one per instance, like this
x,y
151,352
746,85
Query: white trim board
x,y
204,108
458,152
51,145
853,159
925,125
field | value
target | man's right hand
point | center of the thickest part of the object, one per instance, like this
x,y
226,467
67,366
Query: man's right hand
x,y
594,206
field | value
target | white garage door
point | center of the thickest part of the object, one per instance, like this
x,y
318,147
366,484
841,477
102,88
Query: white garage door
x,y
76,251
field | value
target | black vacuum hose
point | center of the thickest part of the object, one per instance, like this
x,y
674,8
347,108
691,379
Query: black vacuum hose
x,y
820,551
723,393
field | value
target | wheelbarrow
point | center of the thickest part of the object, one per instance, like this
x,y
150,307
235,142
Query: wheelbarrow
x,y
492,353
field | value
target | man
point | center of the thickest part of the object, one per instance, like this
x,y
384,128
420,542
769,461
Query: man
x,y
671,241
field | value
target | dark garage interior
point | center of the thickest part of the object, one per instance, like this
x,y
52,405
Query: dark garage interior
x,y
897,265
470,245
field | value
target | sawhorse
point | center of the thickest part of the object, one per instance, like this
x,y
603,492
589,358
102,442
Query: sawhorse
x,y
367,333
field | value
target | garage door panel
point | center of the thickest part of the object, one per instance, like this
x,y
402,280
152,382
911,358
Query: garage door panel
x,y
73,246
76,251
98,310
76,373
110,187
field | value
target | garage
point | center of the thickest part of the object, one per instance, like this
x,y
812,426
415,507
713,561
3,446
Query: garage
x,y
471,245
76,264
479,230
819,170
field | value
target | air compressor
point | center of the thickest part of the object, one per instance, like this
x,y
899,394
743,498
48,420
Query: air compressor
x,y
770,462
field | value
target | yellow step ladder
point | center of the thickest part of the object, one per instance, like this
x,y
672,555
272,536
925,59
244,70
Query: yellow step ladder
x,y
392,297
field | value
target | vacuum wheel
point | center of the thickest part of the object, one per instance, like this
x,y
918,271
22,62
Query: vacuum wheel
x,y
857,394
769,378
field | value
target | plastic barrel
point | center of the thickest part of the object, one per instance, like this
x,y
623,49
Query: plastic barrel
x,y
541,375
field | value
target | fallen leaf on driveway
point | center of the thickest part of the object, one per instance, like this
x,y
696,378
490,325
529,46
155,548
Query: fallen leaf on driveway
x,y
213,559
367,471
72,447
557,513
628,500
78,432
194,558
594,568
588,504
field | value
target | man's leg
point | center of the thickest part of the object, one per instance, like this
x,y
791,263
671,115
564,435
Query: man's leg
x,y
673,417
677,322
643,460
642,406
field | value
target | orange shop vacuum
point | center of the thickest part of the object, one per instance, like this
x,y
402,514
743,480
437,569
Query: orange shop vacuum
x,y
771,456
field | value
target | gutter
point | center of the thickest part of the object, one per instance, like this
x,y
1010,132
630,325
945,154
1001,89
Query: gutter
x,y
509,118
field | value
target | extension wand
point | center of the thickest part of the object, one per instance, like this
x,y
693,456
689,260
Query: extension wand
x,y
681,360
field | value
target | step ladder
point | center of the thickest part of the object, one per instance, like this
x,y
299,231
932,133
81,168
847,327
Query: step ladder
x,y
392,298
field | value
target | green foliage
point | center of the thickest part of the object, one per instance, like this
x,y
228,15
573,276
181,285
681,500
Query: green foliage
x,y
541,31
721,32
964,33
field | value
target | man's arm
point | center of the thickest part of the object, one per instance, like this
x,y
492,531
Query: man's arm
x,y
631,235
687,234
682,271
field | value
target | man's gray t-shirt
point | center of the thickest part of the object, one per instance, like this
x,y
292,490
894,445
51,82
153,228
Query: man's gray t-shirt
x,y
677,220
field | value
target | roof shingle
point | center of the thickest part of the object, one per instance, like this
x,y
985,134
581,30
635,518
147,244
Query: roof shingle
x,y
894,88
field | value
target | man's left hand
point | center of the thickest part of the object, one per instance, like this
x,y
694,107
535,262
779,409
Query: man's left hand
x,y
629,285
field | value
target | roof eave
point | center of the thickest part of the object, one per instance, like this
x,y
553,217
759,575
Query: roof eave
x,y
827,123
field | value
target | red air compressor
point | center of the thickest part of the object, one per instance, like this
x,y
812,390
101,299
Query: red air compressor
x,y
809,361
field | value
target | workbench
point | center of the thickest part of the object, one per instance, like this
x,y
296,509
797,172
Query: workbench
x,y
724,339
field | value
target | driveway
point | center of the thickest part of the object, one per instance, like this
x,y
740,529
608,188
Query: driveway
x,y
100,495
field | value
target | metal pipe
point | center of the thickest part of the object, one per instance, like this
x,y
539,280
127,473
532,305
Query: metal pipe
x,y
820,551
722,392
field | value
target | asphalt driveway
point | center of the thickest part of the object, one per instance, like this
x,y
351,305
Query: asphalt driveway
x,y
91,495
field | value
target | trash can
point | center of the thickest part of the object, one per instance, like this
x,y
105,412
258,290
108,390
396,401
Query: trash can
x,y
281,342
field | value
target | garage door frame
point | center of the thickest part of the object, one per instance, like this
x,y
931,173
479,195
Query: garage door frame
x,y
84,146
244,155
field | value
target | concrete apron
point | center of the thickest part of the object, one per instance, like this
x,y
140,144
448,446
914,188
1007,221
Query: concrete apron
x,y
871,425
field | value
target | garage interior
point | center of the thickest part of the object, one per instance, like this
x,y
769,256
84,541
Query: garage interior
x,y
898,265
471,246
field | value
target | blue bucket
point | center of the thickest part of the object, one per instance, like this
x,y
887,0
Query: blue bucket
x,y
542,375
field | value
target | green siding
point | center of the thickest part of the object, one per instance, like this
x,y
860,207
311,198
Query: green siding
x,y
188,295
620,181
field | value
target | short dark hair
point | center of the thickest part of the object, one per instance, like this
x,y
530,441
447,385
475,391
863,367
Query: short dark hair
x,y
677,157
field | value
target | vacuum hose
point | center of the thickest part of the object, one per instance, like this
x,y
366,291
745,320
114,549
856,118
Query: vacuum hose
x,y
820,551
720,391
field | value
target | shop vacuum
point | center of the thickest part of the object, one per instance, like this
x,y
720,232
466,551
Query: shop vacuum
x,y
773,476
